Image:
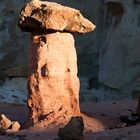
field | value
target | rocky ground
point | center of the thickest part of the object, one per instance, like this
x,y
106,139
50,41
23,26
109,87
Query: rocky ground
x,y
101,122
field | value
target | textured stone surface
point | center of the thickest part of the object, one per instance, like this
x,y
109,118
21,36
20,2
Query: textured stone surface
x,y
53,83
38,15
119,56
14,51
18,66
73,130
88,45
7,125
4,122
15,126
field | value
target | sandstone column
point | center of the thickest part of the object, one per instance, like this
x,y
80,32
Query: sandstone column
x,y
53,84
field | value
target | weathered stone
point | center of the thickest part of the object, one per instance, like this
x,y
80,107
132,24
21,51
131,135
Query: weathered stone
x,y
14,90
7,126
12,44
87,45
4,122
15,126
53,83
38,15
73,130
119,56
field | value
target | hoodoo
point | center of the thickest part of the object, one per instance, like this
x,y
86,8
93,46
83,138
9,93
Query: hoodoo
x,y
53,84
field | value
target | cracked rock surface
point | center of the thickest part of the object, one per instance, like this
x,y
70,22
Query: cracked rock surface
x,y
38,15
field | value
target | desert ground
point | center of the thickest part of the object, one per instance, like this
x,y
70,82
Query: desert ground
x,y
101,122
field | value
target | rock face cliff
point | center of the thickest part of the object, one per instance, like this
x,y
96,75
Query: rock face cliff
x,y
13,51
108,59
53,84
119,55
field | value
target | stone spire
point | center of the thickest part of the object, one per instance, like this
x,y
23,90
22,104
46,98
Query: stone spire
x,y
53,84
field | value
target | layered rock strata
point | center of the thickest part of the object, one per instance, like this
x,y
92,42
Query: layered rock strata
x,y
53,84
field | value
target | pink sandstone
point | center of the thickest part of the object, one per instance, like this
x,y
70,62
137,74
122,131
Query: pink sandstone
x,y
38,15
53,84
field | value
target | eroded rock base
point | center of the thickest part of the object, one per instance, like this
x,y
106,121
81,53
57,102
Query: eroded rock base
x,y
53,83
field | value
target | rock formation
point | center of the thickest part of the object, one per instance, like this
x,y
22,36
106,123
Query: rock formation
x,y
119,56
7,125
73,130
45,15
4,122
53,83
15,126
14,51
111,27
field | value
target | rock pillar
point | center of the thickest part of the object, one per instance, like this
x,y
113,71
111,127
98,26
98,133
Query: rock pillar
x,y
53,84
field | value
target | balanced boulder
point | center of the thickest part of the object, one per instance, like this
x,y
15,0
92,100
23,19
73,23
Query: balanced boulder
x,y
53,84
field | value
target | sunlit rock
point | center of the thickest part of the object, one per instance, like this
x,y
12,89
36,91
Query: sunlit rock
x,y
4,122
38,15
53,84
